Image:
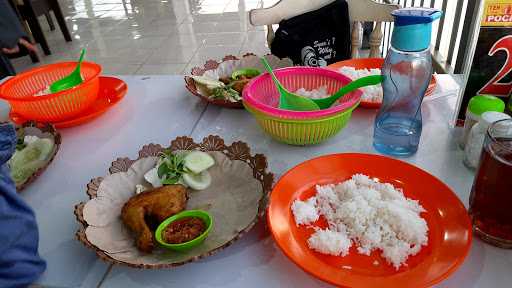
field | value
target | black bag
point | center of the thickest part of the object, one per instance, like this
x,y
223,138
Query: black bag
x,y
316,38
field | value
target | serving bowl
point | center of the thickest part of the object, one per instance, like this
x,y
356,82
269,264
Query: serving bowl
x,y
201,214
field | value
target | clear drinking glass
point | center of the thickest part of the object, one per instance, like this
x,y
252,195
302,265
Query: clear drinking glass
x,y
490,203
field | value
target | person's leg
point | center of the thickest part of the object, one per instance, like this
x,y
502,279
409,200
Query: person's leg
x,y
6,68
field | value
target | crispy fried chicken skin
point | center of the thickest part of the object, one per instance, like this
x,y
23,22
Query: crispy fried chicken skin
x,y
151,207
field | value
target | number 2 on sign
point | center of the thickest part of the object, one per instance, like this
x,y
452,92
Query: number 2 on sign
x,y
493,87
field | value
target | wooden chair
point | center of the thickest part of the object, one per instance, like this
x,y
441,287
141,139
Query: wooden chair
x,y
31,9
359,11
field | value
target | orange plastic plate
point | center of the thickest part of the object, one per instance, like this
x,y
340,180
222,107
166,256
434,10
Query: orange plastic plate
x,y
449,224
374,63
111,91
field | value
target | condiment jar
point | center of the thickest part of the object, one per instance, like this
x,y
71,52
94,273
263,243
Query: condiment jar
x,y
476,137
476,107
508,109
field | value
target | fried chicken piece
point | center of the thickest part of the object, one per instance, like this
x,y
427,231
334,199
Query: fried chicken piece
x,y
153,205
239,85
226,80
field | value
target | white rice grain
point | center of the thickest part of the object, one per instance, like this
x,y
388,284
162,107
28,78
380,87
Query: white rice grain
x,y
370,93
363,211
330,242
305,211
318,93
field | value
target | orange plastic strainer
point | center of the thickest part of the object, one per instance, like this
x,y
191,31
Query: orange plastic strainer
x,y
20,92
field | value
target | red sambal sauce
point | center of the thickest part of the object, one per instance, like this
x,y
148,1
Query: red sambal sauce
x,y
183,230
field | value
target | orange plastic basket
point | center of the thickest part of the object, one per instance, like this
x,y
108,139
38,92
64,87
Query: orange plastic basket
x,y
20,91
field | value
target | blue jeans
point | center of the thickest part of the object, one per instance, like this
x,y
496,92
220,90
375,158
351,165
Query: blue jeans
x,y
20,263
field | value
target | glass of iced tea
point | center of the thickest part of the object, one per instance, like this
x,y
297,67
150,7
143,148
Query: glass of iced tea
x,y
490,203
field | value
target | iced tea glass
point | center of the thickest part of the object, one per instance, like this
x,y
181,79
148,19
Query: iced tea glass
x,y
490,203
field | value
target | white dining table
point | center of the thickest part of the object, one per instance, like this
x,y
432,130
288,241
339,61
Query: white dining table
x,y
157,109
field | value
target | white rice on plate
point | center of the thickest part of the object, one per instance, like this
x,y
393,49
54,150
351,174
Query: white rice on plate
x,y
371,93
367,213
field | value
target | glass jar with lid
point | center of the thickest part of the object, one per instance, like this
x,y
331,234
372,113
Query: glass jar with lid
x,y
476,107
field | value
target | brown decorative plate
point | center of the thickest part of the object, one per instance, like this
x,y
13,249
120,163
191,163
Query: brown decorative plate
x,y
224,68
239,180
42,131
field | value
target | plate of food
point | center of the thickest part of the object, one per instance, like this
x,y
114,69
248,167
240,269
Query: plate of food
x,y
222,83
174,205
349,220
357,68
36,147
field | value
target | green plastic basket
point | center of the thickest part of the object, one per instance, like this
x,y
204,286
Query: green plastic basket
x,y
301,131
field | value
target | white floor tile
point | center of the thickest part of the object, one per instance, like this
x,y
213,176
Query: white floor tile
x,y
114,44
229,38
215,52
167,54
194,40
121,56
152,36
197,28
231,26
63,46
119,68
200,18
257,37
150,30
215,8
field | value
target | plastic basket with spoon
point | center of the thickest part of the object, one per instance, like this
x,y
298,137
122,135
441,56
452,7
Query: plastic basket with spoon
x,y
261,98
21,90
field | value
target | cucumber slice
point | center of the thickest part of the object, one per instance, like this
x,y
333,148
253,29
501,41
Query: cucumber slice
x,y
197,161
199,181
40,149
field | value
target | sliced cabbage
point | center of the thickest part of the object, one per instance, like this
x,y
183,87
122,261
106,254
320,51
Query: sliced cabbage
x,y
26,161
209,83
20,174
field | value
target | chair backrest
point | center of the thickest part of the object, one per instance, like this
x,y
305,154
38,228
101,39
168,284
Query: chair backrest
x,y
359,11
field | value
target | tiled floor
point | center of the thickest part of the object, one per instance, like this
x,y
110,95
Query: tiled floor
x,y
153,36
